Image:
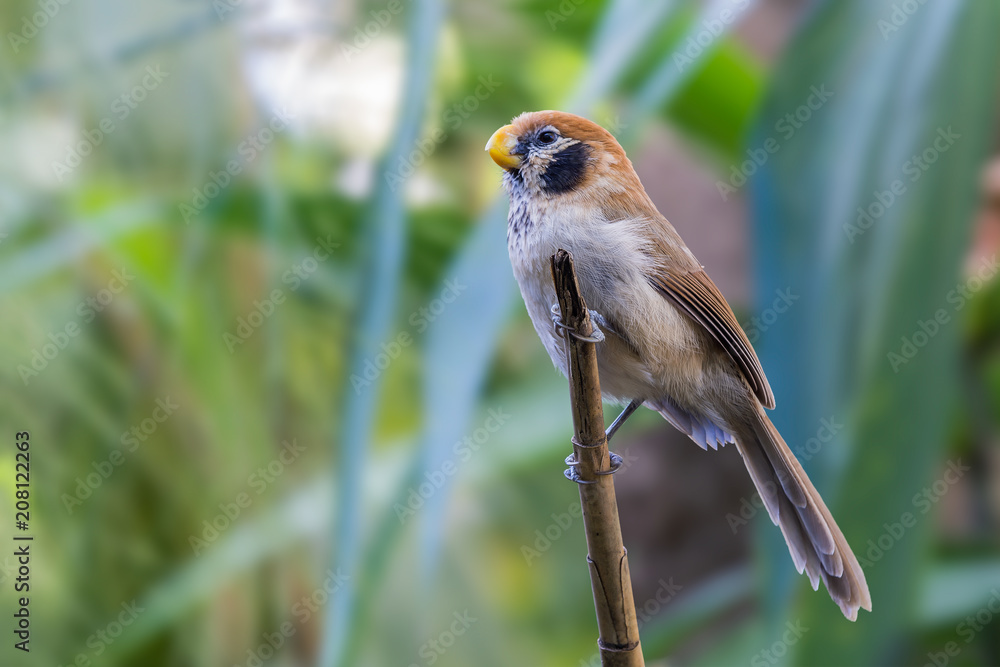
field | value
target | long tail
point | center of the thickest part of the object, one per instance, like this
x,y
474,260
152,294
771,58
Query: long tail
x,y
814,539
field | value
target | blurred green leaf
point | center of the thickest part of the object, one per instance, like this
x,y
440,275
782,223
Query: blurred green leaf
x,y
951,591
691,614
384,251
864,288
238,552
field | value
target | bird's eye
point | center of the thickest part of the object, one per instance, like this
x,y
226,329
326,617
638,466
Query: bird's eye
x,y
547,137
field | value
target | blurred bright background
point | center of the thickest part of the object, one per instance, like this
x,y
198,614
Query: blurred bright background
x,y
285,405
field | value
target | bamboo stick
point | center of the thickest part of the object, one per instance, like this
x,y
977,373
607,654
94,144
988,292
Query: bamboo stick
x,y
606,555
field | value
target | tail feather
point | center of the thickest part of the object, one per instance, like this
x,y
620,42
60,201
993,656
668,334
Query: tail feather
x,y
815,541
798,544
791,485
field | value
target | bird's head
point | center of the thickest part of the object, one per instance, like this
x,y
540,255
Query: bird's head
x,y
552,153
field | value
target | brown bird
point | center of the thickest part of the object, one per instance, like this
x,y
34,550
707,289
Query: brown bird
x,y
671,342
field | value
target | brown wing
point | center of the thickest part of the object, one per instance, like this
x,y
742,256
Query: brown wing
x,y
696,294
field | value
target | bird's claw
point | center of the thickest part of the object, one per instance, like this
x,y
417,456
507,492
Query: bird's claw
x,y
596,336
601,323
573,475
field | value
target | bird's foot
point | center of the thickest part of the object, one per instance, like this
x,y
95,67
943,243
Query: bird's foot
x,y
601,323
573,474
597,336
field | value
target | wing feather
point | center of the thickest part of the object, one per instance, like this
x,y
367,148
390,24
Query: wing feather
x,y
696,294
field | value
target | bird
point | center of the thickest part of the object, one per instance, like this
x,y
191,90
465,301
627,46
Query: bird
x,y
671,341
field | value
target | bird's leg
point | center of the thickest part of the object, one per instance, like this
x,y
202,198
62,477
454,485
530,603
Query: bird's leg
x,y
616,460
620,419
597,336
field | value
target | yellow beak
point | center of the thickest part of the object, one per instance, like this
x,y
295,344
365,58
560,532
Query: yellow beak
x,y
501,148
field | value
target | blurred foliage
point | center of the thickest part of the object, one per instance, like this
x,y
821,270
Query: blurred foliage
x,y
197,323
866,287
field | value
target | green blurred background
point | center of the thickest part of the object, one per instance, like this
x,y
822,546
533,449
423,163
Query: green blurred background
x,y
286,408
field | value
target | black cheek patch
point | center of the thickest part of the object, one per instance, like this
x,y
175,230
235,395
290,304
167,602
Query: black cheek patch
x,y
566,169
